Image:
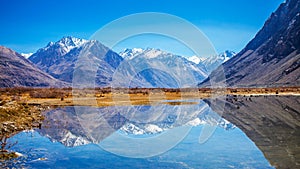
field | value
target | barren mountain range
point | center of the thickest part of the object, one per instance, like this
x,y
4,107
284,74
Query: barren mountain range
x,y
272,58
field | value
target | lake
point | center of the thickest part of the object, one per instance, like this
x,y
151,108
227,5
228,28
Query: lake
x,y
231,132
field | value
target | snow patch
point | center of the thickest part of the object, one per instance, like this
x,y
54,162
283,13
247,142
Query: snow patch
x,y
195,122
195,59
131,53
26,55
151,128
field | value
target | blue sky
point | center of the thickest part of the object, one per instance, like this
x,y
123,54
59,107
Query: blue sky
x,y
27,25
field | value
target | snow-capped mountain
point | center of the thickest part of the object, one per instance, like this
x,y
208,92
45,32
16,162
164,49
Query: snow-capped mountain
x,y
60,59
201,65
97,63
54,51
222,57
149,53
212,62
163,69
65,45
195,59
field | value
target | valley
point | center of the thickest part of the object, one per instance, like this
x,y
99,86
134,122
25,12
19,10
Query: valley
x,y
142,101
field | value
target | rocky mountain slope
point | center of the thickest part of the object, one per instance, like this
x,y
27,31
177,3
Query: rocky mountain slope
x,y
272,58
15,71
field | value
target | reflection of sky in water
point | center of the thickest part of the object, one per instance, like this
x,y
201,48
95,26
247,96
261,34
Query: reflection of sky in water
x,y
271,122
225,149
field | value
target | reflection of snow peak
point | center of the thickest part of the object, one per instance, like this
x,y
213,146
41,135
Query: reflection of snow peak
x,y
96,124
130,128
138,129
72,140
195,122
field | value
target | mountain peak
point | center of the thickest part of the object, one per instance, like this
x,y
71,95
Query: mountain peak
x,y
152,53
60,58
148,53
212,62
130,53
69,40
64,45
68,43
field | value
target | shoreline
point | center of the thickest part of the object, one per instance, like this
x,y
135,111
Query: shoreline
x,y
99,97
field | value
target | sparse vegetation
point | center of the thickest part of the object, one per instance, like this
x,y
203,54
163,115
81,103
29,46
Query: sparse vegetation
x,y
16,117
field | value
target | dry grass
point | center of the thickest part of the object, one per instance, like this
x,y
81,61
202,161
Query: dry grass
x,y
137,96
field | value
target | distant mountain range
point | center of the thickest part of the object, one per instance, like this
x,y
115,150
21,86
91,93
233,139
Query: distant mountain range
x,y
163,69
15,71
206,64
142,67
272,58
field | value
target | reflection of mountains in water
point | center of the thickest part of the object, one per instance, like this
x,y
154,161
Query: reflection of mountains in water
x,y
272,122
74,126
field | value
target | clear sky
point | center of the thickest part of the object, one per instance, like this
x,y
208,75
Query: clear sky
x,y
27,25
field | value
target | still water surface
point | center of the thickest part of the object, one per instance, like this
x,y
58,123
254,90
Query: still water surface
x,y
143,137
225,149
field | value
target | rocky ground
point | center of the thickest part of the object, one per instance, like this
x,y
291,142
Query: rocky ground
x,y
16,117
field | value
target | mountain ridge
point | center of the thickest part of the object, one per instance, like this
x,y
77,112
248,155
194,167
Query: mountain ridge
x,y
164,69
17,71
59,59
271,58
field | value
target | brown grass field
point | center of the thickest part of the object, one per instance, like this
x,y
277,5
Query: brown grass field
x,y
136,96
